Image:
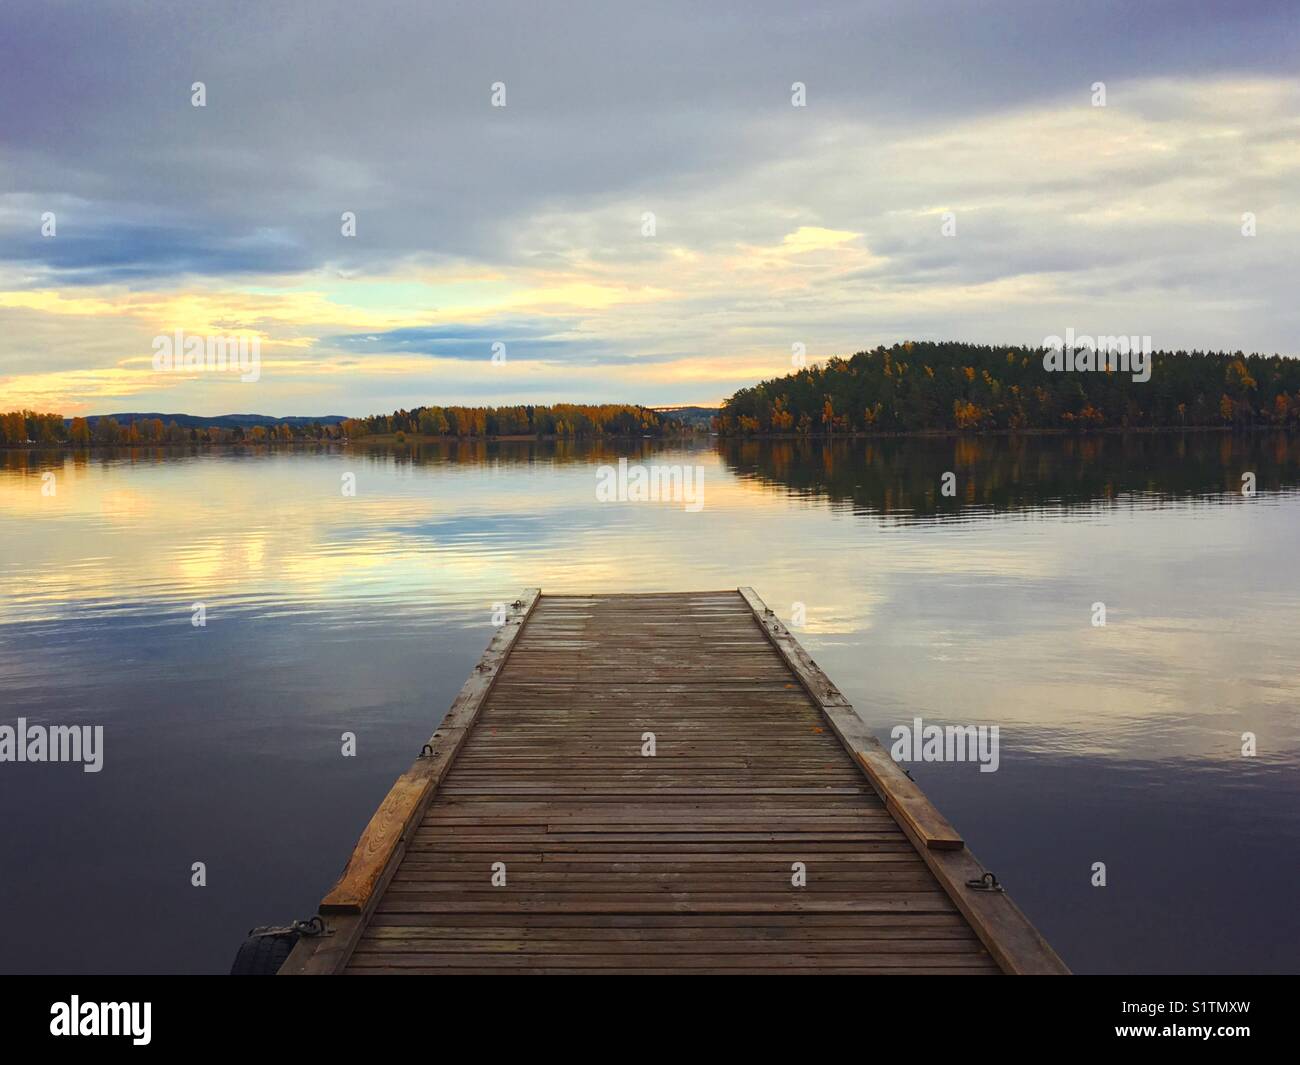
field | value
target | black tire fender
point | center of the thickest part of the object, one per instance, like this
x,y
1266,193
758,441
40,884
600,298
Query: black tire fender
x,y
262,955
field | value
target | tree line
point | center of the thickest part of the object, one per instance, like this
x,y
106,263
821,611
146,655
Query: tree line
x,y
30,427
918,386
562,419
570,420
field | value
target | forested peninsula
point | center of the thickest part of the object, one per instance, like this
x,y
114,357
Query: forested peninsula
x,y
926,386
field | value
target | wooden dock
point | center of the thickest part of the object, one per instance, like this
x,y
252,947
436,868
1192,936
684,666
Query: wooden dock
x,y
537,834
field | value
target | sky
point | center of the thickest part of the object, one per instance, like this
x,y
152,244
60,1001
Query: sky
x,y
656,214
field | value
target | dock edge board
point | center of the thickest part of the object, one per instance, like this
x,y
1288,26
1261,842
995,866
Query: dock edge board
x,y
1014,943
349,903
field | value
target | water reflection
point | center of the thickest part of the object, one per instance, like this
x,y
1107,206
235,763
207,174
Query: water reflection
x,y
329,613
901,477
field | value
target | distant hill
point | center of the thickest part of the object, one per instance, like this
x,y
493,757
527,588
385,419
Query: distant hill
x,y
695,417
221,421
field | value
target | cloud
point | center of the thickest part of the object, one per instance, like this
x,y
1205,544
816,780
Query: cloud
x,y
774,224
552,340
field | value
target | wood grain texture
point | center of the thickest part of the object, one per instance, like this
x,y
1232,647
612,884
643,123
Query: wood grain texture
x,y
618,861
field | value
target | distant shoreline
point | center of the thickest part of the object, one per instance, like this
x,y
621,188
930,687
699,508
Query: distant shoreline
x,y
384,438
391,440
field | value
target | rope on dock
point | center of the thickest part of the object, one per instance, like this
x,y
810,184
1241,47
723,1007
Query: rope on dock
x,y
314,926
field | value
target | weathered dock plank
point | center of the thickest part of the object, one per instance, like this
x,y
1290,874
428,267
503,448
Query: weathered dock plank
x,y
608,858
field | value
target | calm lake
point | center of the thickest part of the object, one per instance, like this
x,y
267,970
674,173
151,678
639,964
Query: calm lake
x,y
328,614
